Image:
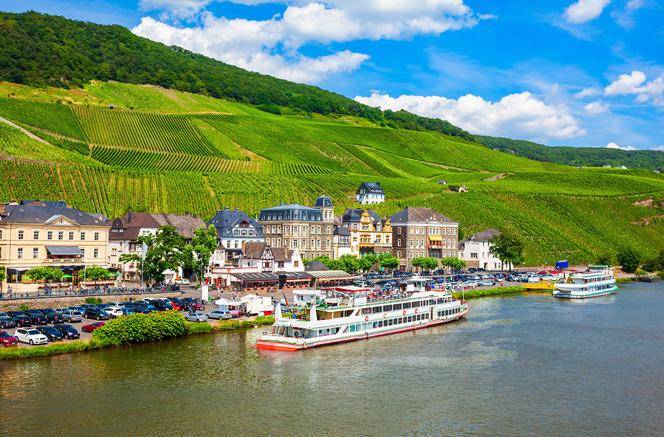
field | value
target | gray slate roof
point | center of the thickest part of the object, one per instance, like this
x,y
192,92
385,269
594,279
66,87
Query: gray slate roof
x,y
370,188
418,215
38,212
227,219
353,215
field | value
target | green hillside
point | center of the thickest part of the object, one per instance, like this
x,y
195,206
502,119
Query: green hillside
x,y
38,49
577,156
164,150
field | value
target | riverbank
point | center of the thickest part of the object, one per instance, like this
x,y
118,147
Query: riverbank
x,y
489,292
192,328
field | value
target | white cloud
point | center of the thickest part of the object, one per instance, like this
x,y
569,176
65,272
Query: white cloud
x,y
596,107
249,44
587,92
659,148
613,145
271,46
633,5
516,115
635,84
585,10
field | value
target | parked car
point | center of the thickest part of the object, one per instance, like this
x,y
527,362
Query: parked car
x,y
80,309
50,332
114,311
197,317
7,322
67,331
160,305
95,313
20,318
127,311
37,317
92,326
72,316
30,336
487,283
219,314
7,340
182,281
52,316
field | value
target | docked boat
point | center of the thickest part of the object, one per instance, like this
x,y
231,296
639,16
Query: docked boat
x,y
351,313
597,281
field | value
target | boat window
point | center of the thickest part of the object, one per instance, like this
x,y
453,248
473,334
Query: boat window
x,y
387,308
396,306
377,309
407,305
375,325
366,311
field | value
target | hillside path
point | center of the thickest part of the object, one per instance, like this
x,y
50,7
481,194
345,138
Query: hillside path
x,y
26,132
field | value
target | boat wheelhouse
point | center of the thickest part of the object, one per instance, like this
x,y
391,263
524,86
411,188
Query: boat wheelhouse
x,y
597,281
347,314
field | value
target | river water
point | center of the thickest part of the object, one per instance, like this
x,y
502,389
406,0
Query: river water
x,y
521,365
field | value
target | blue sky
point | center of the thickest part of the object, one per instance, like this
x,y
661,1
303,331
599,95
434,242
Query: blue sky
x,y
561,72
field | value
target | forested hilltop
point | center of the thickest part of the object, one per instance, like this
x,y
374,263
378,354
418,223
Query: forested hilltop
x,y
38,49
577,156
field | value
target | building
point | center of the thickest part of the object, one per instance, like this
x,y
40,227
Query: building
x,y
235,229
37,233
296,227
125,231
369,233
370,193
476,251
340,242
423,232
264,258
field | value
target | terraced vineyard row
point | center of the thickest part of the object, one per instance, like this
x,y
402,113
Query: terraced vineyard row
x,y
144,131
171,161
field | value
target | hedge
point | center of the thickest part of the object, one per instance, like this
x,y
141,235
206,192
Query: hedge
x,y
141,328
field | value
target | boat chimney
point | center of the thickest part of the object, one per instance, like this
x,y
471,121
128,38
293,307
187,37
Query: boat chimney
x,y
313,317
277,311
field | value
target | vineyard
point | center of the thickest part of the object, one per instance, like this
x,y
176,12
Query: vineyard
x,y
165,151
144,131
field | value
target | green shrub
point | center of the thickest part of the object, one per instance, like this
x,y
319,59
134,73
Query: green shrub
x,y
52,349
93,300
473,294
140,328
198,327
23,307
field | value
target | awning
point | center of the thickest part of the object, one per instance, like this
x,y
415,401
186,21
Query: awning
x,y
64,250
331,275
436,238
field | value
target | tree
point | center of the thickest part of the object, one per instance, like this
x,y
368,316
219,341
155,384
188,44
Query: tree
x,y
3,276
165,251
349,263
507,249
46,274
96,273
425,263
453,263
605,259
197,254
388,261
629,260
366,262
660,261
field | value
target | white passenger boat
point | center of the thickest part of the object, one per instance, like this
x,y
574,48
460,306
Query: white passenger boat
x,y
352,313
597,281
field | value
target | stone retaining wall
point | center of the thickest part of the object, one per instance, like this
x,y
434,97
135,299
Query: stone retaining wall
x,y
67,301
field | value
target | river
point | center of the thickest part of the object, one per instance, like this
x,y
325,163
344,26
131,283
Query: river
x,y
519,365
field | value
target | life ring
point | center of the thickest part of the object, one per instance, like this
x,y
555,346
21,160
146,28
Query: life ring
x,y
415,310
366,318
385,315
404,312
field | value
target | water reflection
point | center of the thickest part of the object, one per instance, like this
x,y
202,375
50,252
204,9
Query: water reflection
x,y
519,366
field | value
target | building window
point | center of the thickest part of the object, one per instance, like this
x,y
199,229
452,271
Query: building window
x,y
82,252
35,235
0,234
49,235
61,235
19,253
96,236
35,253
82,236
95,253
20,235
71,235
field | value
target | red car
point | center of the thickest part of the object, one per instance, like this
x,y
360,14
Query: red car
x,y
92,326
7,340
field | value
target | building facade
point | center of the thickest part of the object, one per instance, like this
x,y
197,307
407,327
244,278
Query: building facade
x,y
370,193
264,258
234,230
369,233
296,227
476,251
125,231
423,232
340,242
36,233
